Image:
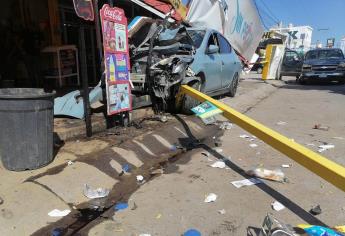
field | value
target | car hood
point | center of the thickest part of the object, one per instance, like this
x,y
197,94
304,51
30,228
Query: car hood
x,y
317,62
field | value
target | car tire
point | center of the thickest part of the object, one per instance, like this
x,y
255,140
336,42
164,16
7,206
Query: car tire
x,y
259,70
233,85
188,102
301,81
341,82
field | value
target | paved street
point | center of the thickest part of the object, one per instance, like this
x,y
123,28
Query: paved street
x,y
172,202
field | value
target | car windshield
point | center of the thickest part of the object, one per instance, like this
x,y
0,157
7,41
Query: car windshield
x,y
324,54
197,36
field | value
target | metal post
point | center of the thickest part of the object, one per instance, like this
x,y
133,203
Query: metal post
x,y
85,82
98,33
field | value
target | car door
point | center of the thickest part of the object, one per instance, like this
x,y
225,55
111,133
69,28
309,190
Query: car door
x,y
228,62
212,65
292,63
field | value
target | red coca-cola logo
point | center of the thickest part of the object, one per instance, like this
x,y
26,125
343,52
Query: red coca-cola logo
x,y
113,13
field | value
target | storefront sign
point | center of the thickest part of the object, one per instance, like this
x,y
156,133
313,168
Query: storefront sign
x,y
84,9
115,44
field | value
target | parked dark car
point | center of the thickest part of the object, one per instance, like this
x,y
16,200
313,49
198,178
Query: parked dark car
x,y
323,65
291,64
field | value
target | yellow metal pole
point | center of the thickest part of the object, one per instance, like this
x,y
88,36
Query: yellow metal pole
x,y
326,169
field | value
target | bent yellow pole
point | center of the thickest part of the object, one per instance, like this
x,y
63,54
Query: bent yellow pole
x,y
326,169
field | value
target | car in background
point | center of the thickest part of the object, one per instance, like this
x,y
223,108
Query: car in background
x,y
291,64
163,57
326,64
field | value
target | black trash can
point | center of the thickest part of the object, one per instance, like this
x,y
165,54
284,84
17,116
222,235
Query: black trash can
x,y
26,128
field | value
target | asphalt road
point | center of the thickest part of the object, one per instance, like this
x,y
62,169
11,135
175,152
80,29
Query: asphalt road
x,y
174,202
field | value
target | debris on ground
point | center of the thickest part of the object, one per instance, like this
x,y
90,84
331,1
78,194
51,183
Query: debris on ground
x,y
253,145
58,213
226,125
316,210
219,164
1,201
58,232
286,165
311,144
321,127
277,206
274,175
212,197
70,162
95,193
315,230
144,234
246,182
192,232
222,211
218,142
140,178
120,206
244,136
158,216
339,138
219,150
157,172
340,228
326,147
132,205
126,168
281,123
206,154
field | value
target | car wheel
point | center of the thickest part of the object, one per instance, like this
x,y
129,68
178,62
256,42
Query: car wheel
x,y
259,70
301,81
188,102
341,82
233,86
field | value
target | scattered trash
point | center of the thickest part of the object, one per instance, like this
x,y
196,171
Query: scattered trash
x,y
140,178
281,123
244,136
320,127
316,210
222,211
340,138
219,164
275,175
246,182
218,142
95,193
326,147
219,150
206,154
192,232
253,145
58,213
272,226
340,228
277,206
226,125
315,230
286,165
58,232
210,198
132,205
157,172
144,234
78,141
120,206
163,118
126,168
311,144
209,159
158,216
70,162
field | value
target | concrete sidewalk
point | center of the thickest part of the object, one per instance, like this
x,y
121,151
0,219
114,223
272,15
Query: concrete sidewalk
x,y
29,195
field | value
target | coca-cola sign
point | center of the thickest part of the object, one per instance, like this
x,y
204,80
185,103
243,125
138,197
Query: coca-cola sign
x,y
84,9
113,13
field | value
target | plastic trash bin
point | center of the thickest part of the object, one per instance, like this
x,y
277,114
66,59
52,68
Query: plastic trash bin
x,y
26,128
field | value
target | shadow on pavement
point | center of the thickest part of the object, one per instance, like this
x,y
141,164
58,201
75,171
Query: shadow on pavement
x,y
289,204
332,87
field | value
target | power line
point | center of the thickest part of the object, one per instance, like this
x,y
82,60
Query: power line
x,y
269,11
256,6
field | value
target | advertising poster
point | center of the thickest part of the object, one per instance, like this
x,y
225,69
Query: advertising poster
x,y
84,9
116,56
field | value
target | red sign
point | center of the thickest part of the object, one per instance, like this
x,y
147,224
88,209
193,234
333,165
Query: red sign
x,y
116,56
84,9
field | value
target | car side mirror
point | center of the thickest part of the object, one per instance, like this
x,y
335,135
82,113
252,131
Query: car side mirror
x,y
212,49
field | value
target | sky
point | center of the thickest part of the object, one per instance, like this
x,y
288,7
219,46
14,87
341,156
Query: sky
x,y
319,14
